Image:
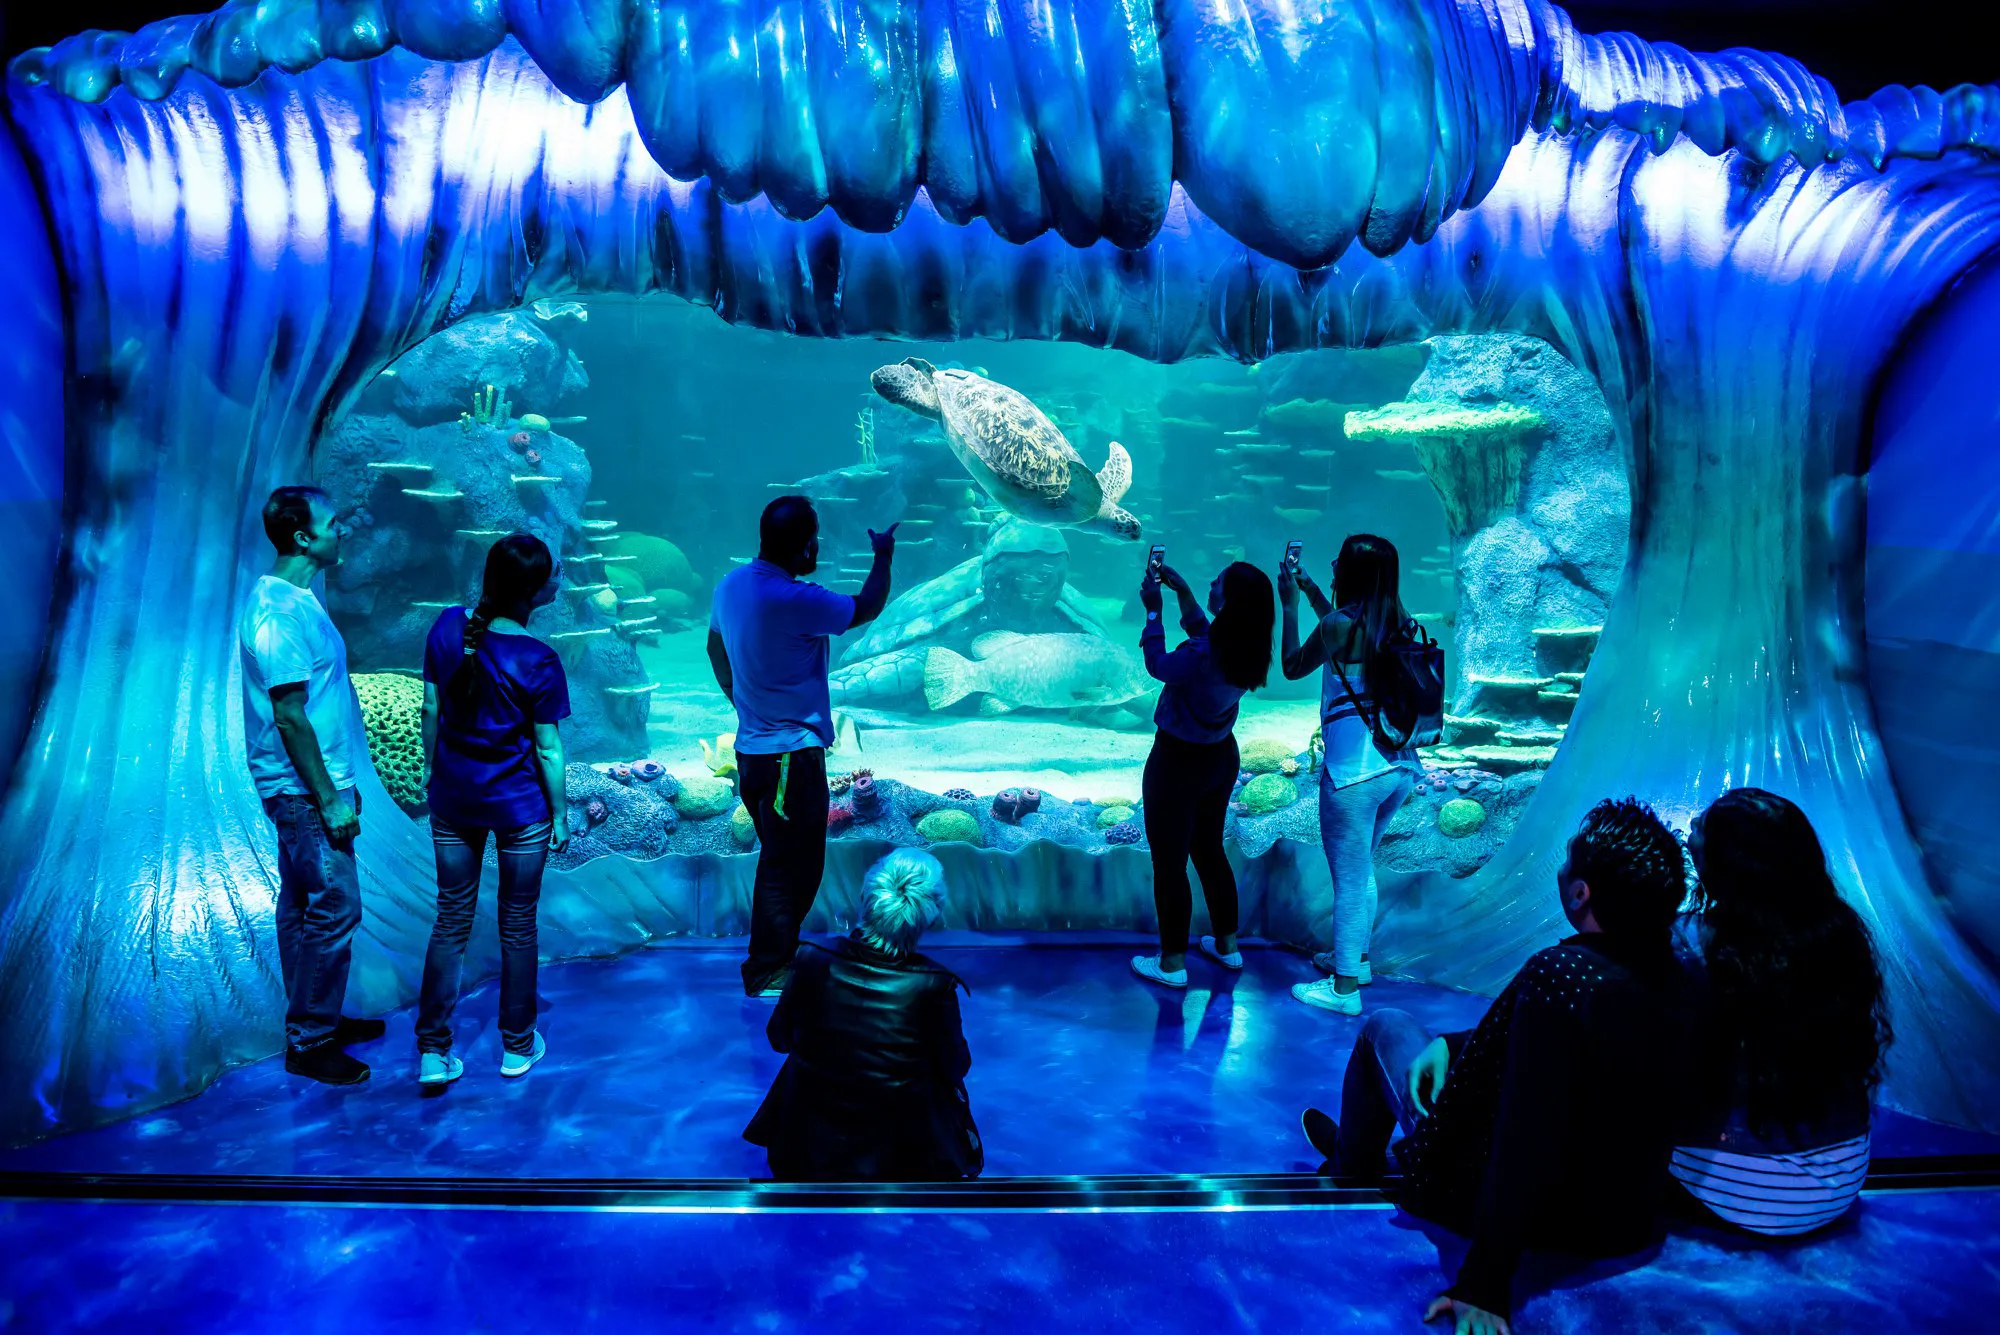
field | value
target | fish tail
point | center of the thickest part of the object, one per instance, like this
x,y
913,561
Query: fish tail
x,y
948,678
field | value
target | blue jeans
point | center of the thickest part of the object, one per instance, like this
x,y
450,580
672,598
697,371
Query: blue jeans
x,y
1375,1095
461,850
319,908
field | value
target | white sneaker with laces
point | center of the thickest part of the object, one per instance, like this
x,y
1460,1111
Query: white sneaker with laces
x,y
1323,995
1148,968
438,1068
1233,960
1324,963
517,1063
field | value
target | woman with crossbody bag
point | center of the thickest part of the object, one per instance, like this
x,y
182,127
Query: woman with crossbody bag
x,y
493,695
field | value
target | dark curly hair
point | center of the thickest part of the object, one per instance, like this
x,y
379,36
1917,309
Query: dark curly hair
x,y
1635,867
1798,988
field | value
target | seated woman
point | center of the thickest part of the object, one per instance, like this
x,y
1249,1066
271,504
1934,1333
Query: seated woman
x,y
1801,1022
873,1085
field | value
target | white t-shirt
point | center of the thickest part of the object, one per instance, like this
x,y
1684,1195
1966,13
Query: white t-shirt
x,y
775,629
285,636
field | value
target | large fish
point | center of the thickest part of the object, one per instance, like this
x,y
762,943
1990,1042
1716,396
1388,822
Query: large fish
x,y
1036,672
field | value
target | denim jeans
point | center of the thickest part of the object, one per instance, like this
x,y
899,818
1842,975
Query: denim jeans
x,y
461,851
319,908
1375,1095
1352,820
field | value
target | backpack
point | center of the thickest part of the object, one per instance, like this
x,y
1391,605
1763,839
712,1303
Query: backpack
x,y
1409,705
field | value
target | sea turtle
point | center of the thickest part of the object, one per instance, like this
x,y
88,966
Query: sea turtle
x,y
1012,449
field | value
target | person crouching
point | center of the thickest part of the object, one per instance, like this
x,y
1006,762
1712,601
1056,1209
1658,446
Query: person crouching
x,y
873,1085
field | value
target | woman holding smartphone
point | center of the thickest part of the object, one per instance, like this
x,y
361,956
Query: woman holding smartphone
x,y
1360,784
493,695
1192,770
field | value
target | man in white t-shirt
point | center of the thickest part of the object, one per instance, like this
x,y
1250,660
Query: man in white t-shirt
x,y
302,725
767,640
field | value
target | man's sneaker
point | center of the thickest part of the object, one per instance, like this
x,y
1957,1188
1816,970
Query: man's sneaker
x,y
1233,960
438,1068
1148,968
352,1030
1322,1132
1324,963
1323,995
517,1063
327,1064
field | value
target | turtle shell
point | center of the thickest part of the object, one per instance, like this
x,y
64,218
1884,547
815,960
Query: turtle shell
x,y
1016,441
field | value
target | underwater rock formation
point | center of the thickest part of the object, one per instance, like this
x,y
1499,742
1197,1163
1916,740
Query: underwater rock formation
x,y
1521,450
392,713
427,487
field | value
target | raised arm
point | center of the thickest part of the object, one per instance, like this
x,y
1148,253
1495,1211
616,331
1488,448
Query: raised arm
x,y
1297,659
874,595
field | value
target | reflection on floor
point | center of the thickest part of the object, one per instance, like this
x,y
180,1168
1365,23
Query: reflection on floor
x,y
657,1061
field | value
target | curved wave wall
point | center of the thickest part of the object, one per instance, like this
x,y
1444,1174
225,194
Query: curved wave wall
x,y
239,260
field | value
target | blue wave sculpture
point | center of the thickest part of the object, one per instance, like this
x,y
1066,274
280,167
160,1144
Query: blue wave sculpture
x,y
253,213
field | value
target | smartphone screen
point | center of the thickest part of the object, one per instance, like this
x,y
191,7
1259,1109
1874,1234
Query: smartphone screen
x,y
1292,550
1155,559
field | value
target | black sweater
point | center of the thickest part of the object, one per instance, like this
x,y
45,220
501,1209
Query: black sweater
x,y
1559,1111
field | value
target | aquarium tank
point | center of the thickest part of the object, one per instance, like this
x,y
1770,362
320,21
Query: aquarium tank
x,y
1661,371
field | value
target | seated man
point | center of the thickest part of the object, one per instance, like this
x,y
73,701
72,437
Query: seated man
x,y
873,1085
1549,1125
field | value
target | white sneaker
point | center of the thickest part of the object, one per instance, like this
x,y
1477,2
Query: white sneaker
x,y
438,1068
1323,995
1233,960
517,1063
1148,968
1324,963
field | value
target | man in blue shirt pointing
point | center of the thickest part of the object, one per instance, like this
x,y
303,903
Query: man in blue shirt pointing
x,y
767,640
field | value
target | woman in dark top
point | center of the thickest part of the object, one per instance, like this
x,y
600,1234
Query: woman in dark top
x,y
493,695
1192,770
873,1085
1801,1022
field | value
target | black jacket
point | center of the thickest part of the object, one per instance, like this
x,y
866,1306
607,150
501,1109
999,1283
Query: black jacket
x,y
1559,1111
873,1086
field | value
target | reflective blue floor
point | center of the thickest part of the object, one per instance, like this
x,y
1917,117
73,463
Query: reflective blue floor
x,y
656,1062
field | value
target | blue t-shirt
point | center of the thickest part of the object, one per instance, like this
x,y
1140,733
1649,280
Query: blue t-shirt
x,y
1196,704
484,774
775,629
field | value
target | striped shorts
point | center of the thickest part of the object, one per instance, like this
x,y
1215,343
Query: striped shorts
x,y
1775,1194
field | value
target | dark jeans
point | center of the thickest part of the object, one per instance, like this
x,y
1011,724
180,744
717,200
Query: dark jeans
x,y
791,854
319,907
1375,1096
1187,788
461,850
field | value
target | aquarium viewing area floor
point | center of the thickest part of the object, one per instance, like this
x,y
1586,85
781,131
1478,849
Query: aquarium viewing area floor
x,y
1143,1166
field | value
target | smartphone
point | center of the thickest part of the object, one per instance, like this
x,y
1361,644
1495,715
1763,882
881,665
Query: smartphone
x,y
1154,560
1292,550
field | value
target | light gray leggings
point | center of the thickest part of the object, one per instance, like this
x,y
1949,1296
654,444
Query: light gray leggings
x,y
1351,822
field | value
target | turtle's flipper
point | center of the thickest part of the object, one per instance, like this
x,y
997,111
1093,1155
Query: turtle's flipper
x,y
1116,476
1115,520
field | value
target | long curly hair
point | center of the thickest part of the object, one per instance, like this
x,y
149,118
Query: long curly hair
x,y
517,567
1367,584
1240,639
1798,987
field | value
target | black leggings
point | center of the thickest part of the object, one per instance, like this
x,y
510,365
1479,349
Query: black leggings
x,y
1187,789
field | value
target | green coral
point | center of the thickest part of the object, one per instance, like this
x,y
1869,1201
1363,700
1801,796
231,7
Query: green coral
x,y
534,422
741,827
1401,421
950,826
659,564
1460,817
1111,816
703,796
1267,793
392,714
1264,755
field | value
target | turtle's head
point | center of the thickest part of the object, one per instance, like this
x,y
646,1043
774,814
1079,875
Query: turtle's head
x,y
1117,521
908,384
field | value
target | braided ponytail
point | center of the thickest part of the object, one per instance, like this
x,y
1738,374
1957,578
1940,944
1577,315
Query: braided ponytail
x,y
517,568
